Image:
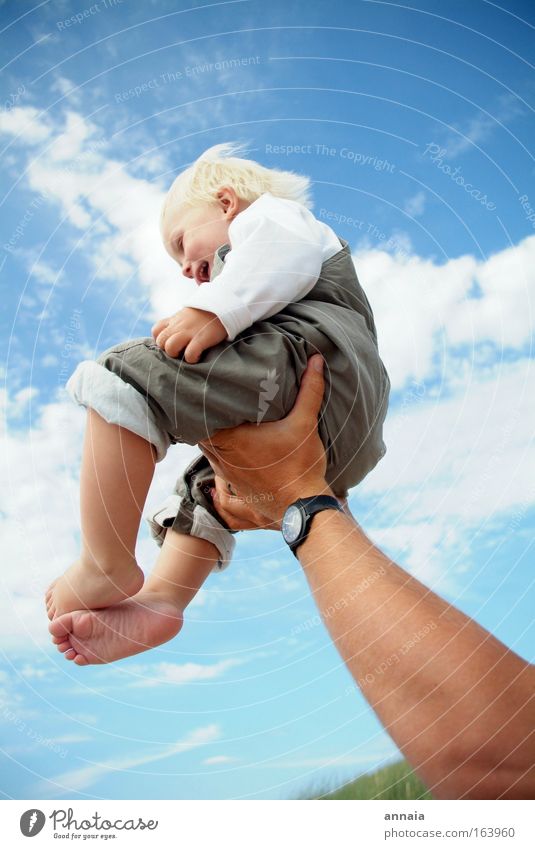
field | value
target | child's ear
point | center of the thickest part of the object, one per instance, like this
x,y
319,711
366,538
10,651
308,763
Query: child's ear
x,y
228,200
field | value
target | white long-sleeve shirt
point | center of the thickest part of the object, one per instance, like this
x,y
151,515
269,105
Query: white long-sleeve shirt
x,y
277,250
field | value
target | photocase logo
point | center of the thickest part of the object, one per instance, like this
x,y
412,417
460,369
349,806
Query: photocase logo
x,y
31,822
269,388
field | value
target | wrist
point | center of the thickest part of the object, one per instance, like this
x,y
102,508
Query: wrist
x,y
288,495
324,525
299,516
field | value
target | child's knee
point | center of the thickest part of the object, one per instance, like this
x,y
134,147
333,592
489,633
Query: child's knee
x,y
93,385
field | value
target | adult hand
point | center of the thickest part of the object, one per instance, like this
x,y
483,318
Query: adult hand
x,y
275,463
240,512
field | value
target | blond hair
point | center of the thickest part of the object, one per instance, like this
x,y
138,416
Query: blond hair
x,y
219,166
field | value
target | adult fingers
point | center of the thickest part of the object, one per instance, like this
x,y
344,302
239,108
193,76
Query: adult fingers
x,y
232,510
310,396
237,512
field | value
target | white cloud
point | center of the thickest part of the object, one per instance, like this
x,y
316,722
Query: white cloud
x,y
180,673
117,211
49,360
482,125
504,312
423,310
71,141
65,87
29,671
453,466
44,273
39,518
9,698
415,205
333,761
79,779
25,123
19,402
471,454
270,575
217,760
71,738
85,718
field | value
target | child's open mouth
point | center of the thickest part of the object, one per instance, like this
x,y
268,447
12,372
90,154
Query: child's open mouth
x,y
203,273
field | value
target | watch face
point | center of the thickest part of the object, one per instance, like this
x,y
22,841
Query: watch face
x,y
292,524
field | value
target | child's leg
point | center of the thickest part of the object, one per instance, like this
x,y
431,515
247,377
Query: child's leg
x,y
117,469
182,568
146,620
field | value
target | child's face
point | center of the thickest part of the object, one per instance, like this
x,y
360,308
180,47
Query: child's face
x,y
192,234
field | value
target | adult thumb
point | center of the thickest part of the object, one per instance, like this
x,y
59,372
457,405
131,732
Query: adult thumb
x,y
310,396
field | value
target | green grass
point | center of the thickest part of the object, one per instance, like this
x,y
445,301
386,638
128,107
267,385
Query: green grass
x,y
396,781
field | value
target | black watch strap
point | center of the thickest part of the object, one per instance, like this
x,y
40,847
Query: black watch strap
x,y
309,507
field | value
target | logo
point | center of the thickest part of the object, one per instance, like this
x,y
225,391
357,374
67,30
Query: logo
x,y
269,387
31,822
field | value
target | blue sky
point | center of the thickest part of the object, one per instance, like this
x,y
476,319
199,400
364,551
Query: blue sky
x,y
414,123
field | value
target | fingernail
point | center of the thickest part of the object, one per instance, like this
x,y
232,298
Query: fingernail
x,y
318,364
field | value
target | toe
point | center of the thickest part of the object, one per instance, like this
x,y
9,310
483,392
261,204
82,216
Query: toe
x,y
63,647
70,654
61,626
80,660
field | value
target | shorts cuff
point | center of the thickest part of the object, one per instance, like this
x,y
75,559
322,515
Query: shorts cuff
x,y
204,526
207,527
163,518
93,385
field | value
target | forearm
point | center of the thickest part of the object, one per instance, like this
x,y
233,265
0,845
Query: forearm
x,y
457,702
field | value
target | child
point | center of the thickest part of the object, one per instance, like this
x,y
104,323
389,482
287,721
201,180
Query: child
x,y
275,285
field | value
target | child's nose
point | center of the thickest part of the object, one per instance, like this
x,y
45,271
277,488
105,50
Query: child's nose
x,y
186,269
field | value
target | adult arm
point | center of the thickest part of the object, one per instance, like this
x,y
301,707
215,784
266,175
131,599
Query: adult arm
x,y
459,704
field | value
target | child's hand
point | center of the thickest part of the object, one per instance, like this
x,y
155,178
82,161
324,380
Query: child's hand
x,y
189,330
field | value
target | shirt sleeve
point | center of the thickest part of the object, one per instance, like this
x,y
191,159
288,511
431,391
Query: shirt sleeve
x,y
275,259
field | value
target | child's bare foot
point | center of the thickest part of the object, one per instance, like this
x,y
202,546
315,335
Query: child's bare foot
x,y
85,585
101,636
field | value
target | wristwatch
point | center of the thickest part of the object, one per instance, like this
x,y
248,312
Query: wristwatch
x,y
298,517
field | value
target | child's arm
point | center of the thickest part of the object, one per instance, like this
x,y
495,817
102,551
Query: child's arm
x,y
278,248
276,259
